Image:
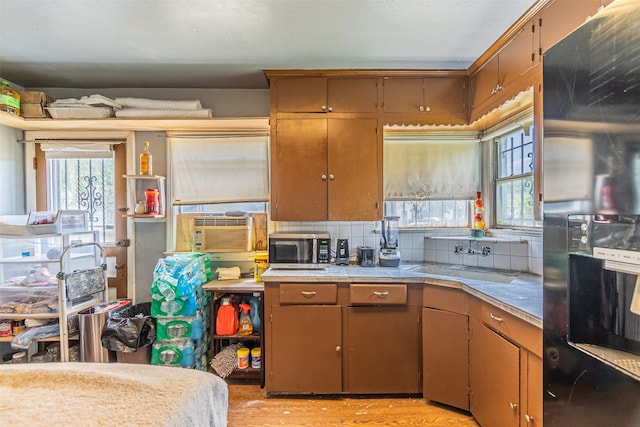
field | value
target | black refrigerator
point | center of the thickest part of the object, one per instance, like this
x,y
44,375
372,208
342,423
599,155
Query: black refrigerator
x,y
591,188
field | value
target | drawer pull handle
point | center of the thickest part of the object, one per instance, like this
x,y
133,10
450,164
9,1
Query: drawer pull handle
x,y
496,318
382,294
308,294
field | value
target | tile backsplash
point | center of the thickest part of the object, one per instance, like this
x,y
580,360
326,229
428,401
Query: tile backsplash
x,y
517,250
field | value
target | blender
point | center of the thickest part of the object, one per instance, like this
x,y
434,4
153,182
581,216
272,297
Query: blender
x,y
389,252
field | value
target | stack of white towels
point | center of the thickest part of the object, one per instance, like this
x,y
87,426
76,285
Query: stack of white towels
x,y
157,108
139,107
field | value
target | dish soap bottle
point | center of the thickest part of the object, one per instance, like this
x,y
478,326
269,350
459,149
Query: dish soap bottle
x,y
245,327
145,160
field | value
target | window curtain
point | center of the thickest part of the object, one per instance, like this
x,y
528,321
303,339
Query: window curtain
x,y
219,169
77,149
418,167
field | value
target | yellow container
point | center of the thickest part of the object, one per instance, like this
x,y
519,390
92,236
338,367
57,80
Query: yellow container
x,y
243,357
260,264
256,357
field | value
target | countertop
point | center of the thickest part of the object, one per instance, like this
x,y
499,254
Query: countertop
x,y
519,294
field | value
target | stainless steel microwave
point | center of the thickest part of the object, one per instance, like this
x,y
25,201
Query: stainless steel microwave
x,y
299,250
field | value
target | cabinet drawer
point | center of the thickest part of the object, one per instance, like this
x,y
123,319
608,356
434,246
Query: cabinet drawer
x,y
308,293
445,299
365,294
517,330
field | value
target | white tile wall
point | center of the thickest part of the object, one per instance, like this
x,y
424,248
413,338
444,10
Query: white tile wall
x,y
521,252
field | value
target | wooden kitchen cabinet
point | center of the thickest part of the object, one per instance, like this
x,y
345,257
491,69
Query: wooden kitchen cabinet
x,y
326,169
531,384
303,338
506,74
346,338
498,335
438,99
383,354
315,94
494,372
445,346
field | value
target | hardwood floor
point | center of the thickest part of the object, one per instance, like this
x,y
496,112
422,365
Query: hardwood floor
x,y
249,406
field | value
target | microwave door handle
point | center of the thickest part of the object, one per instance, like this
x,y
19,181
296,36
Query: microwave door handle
x,y
314,251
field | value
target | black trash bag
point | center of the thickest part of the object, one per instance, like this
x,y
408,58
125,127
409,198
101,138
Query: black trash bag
x,y
129,329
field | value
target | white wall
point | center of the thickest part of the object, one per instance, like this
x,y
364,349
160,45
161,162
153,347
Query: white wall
x,y
524,254
12,188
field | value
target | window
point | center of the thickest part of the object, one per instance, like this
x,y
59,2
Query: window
x,y
88,185
514,181
430,213
216,174
431,180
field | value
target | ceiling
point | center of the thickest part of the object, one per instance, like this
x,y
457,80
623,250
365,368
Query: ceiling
x,y
228,43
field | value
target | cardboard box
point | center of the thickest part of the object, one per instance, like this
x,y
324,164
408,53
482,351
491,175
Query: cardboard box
x,y
32,104
141,357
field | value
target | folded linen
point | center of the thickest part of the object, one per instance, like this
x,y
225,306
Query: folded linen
x,y
228,273
163,114
158,104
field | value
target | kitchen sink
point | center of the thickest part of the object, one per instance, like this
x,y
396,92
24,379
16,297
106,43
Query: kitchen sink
x,y
463,271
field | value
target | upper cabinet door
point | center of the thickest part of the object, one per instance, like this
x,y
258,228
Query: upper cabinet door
x,y
301,94
299,170
352,95
435,99
355,170
518,56
326,95
402,95
444,95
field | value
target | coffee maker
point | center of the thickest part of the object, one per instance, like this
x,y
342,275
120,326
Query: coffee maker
x,y
389,252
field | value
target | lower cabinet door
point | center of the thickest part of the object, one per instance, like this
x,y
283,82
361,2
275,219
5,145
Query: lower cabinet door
x,y
494,377
383,345
307,353
445,357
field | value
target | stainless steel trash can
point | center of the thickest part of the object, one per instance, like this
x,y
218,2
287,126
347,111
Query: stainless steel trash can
x,y
90,323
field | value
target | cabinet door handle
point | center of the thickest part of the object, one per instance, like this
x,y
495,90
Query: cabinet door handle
x,y
423,108
308,294
324,177
338,348
331,177
326,109
529,419
496,318
382,294
513,406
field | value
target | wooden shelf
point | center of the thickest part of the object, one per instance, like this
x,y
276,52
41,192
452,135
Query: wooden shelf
x,y
216,123
252,337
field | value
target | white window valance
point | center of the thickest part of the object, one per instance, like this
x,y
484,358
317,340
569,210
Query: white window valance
x,y
77,149
219,169
428,168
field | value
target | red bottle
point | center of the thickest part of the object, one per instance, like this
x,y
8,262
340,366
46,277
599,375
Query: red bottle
x,y
152,203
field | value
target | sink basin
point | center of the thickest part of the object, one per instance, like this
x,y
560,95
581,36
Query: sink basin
x,y
462,271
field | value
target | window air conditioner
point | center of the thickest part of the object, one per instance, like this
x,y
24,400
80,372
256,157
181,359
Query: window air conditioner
x,y
222,233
